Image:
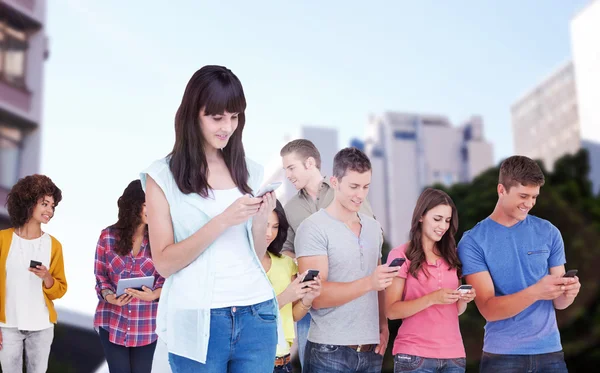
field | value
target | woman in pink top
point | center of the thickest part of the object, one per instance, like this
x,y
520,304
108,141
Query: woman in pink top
x,y
424,294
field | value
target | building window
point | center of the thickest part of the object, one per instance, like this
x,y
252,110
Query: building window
x,y
377,152
13,52
10,155
405,135
448,178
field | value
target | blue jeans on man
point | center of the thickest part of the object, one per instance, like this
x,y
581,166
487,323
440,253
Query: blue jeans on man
x,y
553,362
322,358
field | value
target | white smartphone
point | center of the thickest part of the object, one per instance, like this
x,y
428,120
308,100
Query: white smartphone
x,y
464,288
268,188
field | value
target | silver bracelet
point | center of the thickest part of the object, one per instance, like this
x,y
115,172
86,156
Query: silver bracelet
x,y
106,292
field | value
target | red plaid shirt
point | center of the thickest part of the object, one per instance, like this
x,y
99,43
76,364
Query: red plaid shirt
x,y
134,324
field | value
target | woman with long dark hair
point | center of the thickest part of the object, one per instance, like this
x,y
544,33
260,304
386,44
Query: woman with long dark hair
x,y
32,275
294,296
218,311
425,293
126,323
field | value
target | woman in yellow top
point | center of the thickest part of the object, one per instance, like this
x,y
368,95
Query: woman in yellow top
x,y
31,276
294,298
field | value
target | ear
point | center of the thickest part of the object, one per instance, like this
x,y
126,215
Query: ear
x,y
309,163
334,181
501,190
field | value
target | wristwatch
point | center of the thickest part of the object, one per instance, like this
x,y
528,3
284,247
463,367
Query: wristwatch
x,y
106,292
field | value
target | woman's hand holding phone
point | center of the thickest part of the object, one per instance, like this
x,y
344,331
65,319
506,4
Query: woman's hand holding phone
x,y
267,205
296,289
468,295
241,210
444,296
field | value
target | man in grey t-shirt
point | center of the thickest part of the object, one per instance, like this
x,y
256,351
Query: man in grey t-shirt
x,y
348,331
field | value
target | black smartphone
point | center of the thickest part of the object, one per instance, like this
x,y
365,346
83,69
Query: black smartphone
x,y
34,264
397,262
312,273
571,273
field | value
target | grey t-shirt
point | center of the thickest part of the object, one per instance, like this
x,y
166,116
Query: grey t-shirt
x,y
350,258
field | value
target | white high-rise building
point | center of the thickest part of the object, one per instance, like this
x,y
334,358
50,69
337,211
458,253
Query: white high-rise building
x,y
561,115
412,151
585,44
545,121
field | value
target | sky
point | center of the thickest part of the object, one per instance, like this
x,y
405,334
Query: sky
x,y
116,74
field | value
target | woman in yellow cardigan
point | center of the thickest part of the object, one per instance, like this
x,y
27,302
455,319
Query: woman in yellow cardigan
x,y
31,276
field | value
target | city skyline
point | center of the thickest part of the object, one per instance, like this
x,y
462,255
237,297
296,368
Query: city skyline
x,y
113,86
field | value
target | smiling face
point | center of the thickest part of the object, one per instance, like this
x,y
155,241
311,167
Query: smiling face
x,y
43,210
299,171
217,129
517,201
351,191
436,222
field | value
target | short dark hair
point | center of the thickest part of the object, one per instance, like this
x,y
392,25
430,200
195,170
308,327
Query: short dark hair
x,y
277,245
304,148
520,169
25,194
350,159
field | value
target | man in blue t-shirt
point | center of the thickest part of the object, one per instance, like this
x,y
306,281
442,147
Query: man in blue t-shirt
x,y
515,262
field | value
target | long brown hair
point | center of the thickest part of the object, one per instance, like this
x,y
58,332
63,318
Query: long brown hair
x,y
216,89
131,204
429,199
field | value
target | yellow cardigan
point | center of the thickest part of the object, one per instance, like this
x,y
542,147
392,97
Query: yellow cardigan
x,y
57,271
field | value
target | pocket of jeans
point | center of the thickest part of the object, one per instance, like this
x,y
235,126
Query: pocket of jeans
x,y
325,348
266,317
407,362
460,362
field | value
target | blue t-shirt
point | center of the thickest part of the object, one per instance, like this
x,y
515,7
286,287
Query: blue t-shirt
x,y
516,257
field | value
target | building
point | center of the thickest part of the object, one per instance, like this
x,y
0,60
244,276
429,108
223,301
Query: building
x,y
545,121
23,49
560,114
325,139
585,44
409,152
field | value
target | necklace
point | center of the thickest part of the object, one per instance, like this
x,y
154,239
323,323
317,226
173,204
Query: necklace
x,y
21,251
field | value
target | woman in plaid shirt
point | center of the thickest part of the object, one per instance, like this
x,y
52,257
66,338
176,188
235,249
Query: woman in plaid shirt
x,y
127,323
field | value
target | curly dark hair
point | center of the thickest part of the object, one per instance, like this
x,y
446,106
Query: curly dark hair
x,y
277,244
130,205
25,194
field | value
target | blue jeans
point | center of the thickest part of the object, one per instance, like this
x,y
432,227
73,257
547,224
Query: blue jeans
x,y
553,362
287,368
302,327
242,339
322,358
123,359
417,364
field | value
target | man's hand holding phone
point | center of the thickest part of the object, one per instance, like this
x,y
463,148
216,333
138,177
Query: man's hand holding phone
x,y
551,287
383,276
572,289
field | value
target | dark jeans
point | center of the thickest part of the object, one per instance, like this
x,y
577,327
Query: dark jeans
x,y
417,364
320,358
543,363
287,368
123,359
302,327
